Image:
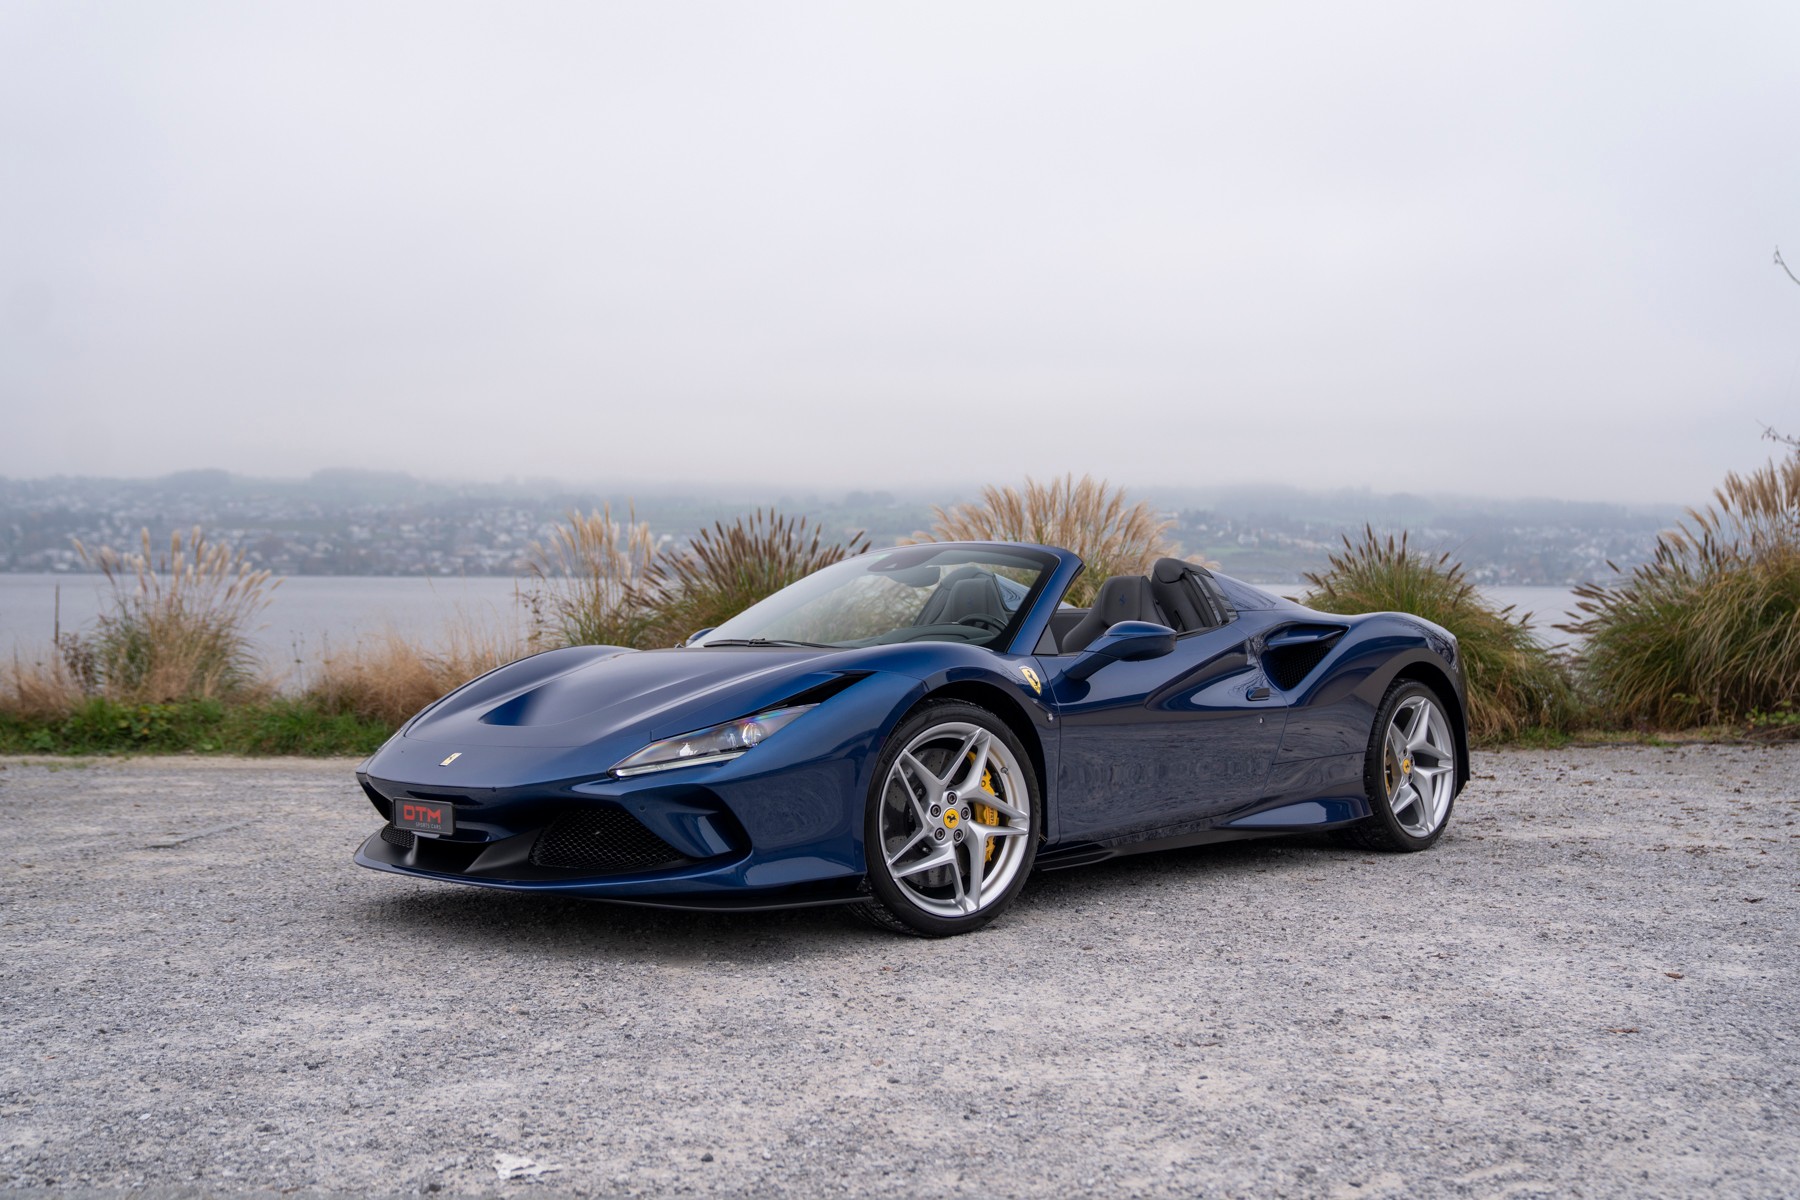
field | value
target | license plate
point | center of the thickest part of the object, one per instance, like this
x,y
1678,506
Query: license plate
x,y
424,816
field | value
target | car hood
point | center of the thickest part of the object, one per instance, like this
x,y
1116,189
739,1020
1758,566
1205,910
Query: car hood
x,y
588,694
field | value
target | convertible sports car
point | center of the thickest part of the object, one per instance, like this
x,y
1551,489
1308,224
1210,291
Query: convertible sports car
x,y
915,729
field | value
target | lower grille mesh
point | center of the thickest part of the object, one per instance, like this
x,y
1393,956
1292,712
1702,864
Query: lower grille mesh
x,y
602,839
403,838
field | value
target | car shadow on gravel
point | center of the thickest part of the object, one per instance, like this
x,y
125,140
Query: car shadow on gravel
x,y
1123,879
566,927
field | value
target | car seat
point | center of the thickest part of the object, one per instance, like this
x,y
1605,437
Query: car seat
x,y
1121,598
966,592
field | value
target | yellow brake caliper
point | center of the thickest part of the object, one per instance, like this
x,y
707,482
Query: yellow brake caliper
x,y
985,813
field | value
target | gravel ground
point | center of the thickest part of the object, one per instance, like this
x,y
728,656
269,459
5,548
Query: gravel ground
x,y
1587,989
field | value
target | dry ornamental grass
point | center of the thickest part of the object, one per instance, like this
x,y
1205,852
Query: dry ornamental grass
x,y
586,582
391,677
1088,516
177,627
728,568
1708,630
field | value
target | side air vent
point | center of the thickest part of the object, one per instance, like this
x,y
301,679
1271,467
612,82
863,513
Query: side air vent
x,y
1291,654
819,693
603,840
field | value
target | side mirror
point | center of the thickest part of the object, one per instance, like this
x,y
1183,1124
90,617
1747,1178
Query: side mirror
x,y
1128,641
694,637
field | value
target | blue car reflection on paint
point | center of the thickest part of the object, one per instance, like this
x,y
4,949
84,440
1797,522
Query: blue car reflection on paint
x,y
917,729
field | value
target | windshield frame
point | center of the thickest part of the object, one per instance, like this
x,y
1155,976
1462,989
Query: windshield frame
x,y
1055,569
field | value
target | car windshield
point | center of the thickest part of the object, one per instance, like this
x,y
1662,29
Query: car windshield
x,y
929,593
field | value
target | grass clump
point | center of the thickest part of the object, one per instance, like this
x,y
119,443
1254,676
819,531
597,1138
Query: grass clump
x,y
1516,686
47,689
177,627
727,568
1088,516
1708,631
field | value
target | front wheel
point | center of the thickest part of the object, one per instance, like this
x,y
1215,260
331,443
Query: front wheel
x,y
1410,772
952,823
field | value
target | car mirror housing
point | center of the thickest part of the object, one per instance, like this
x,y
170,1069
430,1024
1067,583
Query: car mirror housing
x,y
1128,641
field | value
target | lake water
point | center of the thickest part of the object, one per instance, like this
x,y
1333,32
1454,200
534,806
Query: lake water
x,y
312,612
309,613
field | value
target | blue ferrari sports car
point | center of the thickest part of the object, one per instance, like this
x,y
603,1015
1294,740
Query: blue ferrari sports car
x,y
916,729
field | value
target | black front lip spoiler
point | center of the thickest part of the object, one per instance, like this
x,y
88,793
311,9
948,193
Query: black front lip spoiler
x,y
377,854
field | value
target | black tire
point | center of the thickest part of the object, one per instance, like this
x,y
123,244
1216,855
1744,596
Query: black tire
x,y
902,908
1394,824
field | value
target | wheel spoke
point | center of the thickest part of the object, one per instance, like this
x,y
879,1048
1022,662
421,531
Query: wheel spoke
x,y
920,815
1429,774
956,879
962,752
1416,724
932,862
1428,805
1001,805
970,783
1405,796
922,773
914,840
1422,736
976,849
997,831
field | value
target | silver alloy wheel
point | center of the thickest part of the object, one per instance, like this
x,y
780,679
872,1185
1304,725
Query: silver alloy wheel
x,y
1420,766
944,852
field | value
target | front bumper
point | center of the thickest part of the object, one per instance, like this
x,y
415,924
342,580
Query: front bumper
x,y
778,827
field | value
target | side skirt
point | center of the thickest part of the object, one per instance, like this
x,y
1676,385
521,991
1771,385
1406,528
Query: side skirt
x,y
1081,854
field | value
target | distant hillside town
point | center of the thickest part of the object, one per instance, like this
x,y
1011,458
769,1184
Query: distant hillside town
x,y
375,523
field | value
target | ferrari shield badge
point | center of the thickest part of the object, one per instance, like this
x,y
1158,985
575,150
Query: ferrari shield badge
x,y
1031,677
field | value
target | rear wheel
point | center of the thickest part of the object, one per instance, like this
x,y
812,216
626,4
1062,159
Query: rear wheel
x,y
950,831
1410,772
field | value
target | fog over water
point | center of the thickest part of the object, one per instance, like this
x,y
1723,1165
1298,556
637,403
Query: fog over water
x,y
1501,250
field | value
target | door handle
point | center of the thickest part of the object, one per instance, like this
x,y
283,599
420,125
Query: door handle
x,y
1257,693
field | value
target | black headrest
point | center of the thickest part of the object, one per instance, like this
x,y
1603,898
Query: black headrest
x,y
1174,584
1168,570
1126,598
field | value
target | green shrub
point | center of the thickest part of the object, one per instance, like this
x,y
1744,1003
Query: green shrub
x,y
286,726
1515,683
1088,516
1707,631
102,726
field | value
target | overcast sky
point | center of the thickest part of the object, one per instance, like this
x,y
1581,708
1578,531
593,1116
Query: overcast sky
x,y
1502,249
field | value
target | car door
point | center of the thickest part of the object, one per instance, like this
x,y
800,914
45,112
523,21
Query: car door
x,y
1166,742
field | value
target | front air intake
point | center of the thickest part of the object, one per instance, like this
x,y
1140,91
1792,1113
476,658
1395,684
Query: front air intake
x,y
603,840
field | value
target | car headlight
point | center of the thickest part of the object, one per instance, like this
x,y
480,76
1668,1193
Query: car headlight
x,y
720,743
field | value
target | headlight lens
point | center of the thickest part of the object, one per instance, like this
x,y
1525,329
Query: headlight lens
x,y
718,744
